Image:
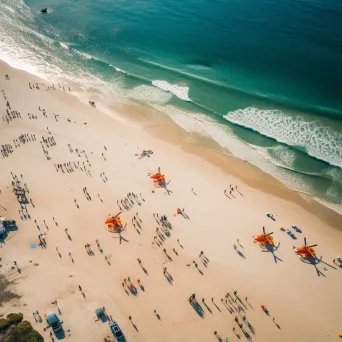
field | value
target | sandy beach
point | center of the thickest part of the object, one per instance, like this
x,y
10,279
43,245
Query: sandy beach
x,y
77,163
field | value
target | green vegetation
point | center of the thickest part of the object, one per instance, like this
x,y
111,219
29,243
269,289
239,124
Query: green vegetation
x,y
14,329
3,324
14,318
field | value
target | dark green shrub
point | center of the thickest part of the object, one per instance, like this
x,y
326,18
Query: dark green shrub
x,y
14,318
23,332
3,324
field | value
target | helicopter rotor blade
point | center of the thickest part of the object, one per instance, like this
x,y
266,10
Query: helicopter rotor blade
x,y
305,241
269,234
263,229
117,214
313,245
159,169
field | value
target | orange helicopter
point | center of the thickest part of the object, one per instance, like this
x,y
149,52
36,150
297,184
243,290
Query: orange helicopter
x,y
114,222
306,251
159,179
264,238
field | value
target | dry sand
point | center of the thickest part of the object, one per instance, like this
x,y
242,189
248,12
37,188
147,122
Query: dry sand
x,y
304,299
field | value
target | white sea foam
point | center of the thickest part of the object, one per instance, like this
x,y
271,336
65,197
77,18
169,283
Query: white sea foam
x,y
321,142
118,69
64,45
9,8
182,92
83,54
281,156
335,175
148,94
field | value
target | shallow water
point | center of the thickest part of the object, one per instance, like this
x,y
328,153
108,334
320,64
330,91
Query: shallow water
x,y
261,78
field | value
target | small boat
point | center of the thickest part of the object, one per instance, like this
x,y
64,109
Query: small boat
x,y
44,10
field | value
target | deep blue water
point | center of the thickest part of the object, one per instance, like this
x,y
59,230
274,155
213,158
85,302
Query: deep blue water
x,y
266,74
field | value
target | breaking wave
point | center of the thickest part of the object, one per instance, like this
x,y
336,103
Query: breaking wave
x,y
149,94
319,141
182,92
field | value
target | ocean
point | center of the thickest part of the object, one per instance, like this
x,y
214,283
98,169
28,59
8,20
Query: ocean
x,y
262,78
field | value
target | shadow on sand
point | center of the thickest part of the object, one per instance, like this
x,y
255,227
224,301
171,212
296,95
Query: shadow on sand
x,y
316,261
198,308
269,248
240,254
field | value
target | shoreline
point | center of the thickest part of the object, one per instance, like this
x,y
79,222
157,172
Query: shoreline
x,y
209,150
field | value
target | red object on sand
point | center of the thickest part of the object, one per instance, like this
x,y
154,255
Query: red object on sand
x,y
153,191
263,307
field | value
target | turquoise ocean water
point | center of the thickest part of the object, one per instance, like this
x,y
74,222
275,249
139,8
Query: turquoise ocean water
x,y
262,78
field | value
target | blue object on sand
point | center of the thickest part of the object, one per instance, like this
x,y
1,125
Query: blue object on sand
x,y
33,245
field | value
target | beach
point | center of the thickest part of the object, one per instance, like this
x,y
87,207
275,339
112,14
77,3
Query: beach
x,y
99,150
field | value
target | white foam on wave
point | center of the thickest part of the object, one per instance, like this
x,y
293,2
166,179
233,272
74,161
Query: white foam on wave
x,y
64,45
83,54
331,198
321,142
118,69
281,156
182,92
148,94
335,175
9,8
